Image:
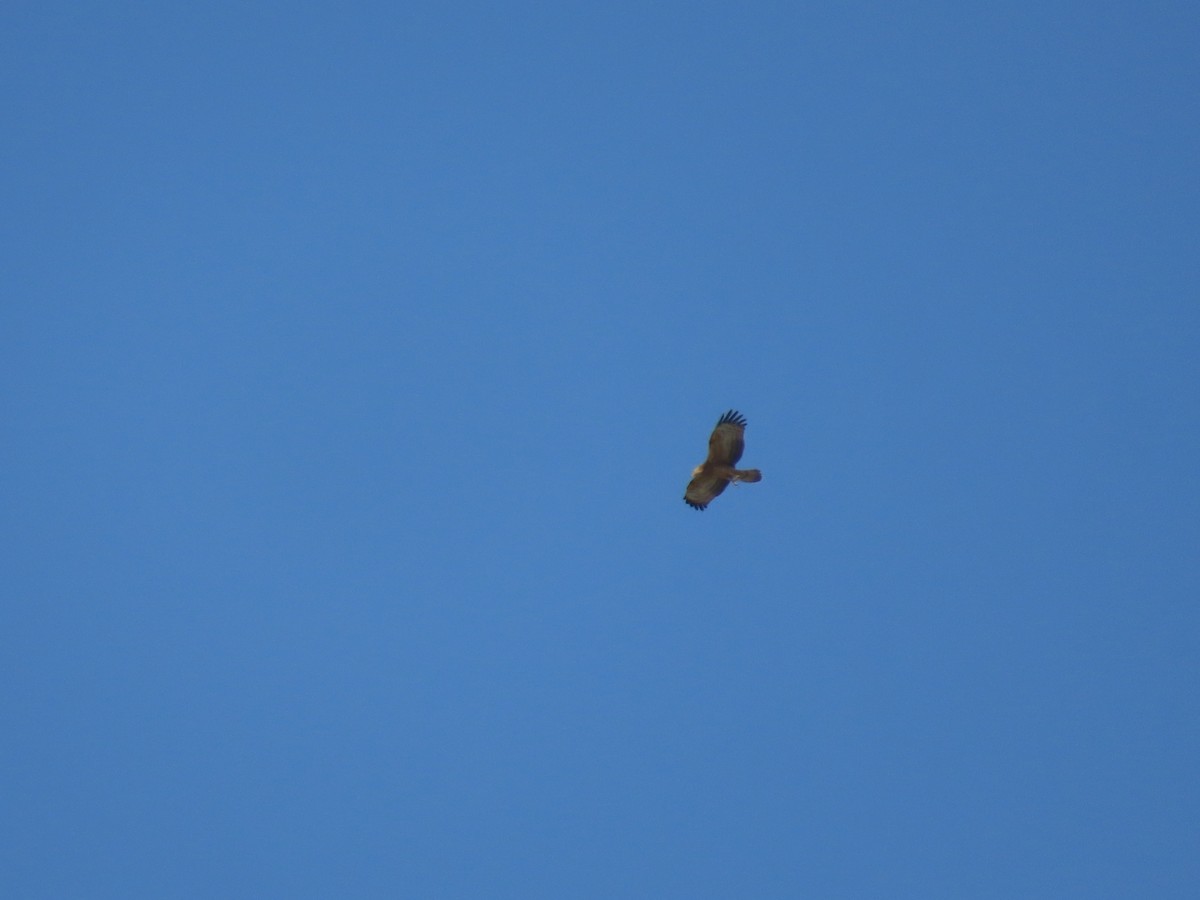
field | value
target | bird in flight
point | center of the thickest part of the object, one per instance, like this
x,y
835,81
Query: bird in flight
x,y
724,450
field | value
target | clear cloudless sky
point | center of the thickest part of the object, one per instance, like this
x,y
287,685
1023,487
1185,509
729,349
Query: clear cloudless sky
x,y
355,358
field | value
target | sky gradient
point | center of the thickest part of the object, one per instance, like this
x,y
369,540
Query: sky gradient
x,y
355,359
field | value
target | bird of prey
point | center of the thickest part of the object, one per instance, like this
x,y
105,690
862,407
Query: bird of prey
x,y
724,450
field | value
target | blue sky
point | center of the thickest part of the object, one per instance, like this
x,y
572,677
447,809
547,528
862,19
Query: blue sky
x,y
355,361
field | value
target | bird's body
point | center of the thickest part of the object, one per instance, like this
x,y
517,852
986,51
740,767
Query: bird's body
x,y
725,448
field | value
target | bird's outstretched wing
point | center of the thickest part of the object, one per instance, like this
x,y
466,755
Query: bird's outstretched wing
x,y
702,489
728,440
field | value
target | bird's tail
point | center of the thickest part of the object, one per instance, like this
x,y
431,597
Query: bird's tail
x,y
748,475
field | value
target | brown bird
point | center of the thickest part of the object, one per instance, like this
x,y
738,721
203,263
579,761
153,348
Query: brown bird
x,y
724,450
